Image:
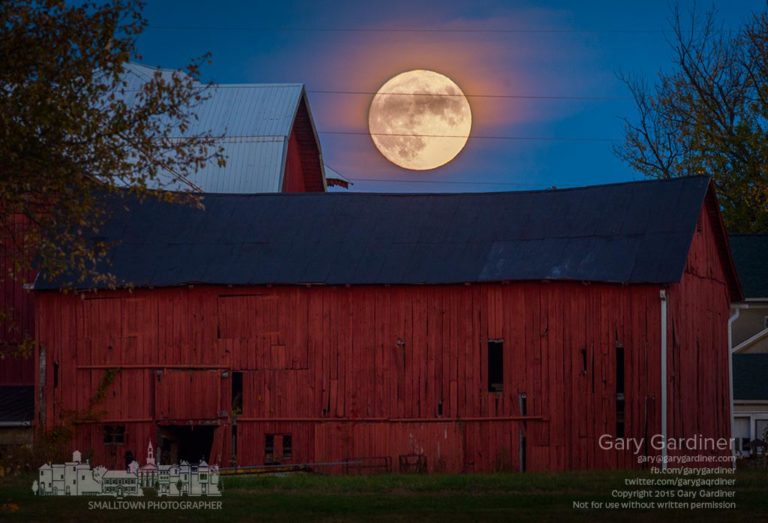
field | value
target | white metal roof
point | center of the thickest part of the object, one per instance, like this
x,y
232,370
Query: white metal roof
x,y
255,120
333,174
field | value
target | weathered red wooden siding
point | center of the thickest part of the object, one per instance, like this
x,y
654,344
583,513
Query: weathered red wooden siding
x,y
697,340
303,165
294,173
17,323
357,372
371,371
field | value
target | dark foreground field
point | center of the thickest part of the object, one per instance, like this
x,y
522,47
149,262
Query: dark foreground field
x,y
497,497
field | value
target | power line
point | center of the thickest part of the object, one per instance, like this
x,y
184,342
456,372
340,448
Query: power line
x,y
517,96
515,184
215,86
482,137
400,30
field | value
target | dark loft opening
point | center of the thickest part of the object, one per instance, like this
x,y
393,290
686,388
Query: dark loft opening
x,y
496,366
237,393
184,442
619,391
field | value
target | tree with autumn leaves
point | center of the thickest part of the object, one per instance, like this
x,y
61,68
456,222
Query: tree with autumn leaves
x,y
709,116
73,128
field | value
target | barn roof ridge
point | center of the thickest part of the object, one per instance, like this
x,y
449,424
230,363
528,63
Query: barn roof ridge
x,y
457,194
636,232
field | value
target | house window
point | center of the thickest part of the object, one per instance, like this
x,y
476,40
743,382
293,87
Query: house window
x,y
287,446
619,391
496,366
237,393
114,434
269,448
761,429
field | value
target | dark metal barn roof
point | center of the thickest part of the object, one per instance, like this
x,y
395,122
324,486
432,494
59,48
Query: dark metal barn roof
x,y
625,233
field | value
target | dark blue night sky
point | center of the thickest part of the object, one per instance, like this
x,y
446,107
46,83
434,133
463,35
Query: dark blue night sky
x,y
556,60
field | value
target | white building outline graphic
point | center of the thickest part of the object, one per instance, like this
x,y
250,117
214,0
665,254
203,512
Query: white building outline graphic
x,y
77,478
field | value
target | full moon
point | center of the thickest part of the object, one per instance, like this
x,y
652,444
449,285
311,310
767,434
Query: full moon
x,y
419,120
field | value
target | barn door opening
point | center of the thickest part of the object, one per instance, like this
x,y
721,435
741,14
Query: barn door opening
x,y
185,443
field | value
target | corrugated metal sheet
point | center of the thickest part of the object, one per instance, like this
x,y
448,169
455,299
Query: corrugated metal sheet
x,y
256,120
624,233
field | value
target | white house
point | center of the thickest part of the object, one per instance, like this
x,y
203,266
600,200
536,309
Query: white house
x,y
76,478
189,480
122,482
73,478
749,343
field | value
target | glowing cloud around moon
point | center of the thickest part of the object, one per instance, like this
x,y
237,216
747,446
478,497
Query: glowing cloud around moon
x,y
419,120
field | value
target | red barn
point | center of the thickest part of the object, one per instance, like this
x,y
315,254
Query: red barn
x,y
452,332
269,139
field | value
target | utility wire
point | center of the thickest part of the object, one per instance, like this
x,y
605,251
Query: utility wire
x,y
216,86
482,137
519,96
515,184
161,27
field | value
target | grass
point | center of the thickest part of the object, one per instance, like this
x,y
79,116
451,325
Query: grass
x,y
481,497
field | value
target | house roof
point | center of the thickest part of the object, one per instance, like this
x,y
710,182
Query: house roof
x,y
750,252
255,120
335,178
119,474
17,404
749,376
623,233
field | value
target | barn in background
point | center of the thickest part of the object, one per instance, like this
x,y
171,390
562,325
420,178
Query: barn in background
x,y
446,332
271,145
267,134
